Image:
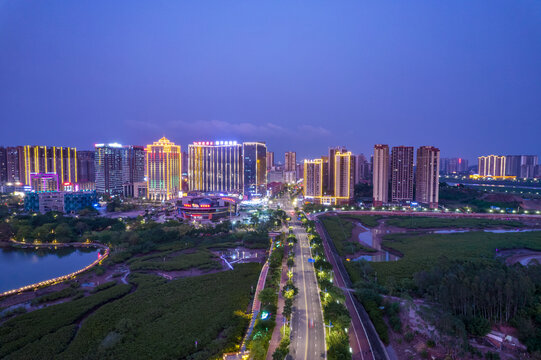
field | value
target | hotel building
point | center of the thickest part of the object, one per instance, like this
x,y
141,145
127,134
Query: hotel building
x,y
215,166
380,174
164,170
427,176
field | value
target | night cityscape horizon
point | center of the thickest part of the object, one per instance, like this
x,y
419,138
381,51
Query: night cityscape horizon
x,y
270,180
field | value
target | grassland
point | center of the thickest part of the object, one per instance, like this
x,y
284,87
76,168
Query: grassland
x,y
341,231
159,320
199,259
419,222
422,251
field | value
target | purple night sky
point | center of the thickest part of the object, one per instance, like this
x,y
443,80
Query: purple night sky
x,y
461,75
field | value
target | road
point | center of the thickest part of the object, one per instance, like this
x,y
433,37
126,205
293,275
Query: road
x,y
364,340
307,340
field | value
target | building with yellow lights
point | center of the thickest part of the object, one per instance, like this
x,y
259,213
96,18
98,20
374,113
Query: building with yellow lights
x,y
215,166
61,161
492,166
316,178
313,178
164,170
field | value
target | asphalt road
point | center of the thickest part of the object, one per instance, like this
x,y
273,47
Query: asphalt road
x,y
307,327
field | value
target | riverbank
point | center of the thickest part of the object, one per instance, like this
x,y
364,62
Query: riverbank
x,y
59,279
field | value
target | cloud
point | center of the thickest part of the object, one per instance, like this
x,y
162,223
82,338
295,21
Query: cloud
x,y
206,128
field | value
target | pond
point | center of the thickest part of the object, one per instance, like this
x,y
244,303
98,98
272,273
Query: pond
x,y
20,267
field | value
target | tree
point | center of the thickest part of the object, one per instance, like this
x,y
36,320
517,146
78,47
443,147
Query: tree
x,y
268,296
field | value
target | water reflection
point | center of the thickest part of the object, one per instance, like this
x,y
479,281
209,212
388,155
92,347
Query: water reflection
x,y
373,238
20,267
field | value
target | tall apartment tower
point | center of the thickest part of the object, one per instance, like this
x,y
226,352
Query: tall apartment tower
x,y
344,172
58,160
313,178
255,168
331,173
215,166
3,164
290,161
108,165
492,165
402,173
270,160
133,164
380,174
86,172
427,176
163,159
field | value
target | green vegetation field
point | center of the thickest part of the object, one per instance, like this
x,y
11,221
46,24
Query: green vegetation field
x,y
422,251
341,231
418,222
200,259
159,320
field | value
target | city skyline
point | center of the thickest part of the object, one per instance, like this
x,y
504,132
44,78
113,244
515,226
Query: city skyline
x,y
294,76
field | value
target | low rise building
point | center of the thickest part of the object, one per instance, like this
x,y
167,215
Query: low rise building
x,y
61,201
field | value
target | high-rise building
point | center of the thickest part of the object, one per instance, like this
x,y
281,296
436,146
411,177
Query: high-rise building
x,y
215,166
290,161
3,165
453,166
522,166
313,178
331,172
402,173
362,169
163,159
255,168
380,174
133,164
14,164
61,161
344,170
270,160
108,166
427,176
492,165
86,171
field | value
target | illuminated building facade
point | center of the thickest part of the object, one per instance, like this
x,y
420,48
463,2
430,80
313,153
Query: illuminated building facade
x,y
44,182
108,165
215,166
343,175
290,161
380,174
331,173
492,166
67,202
313,178
254,168
401,173
61,161
428,176
164,170
207,207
